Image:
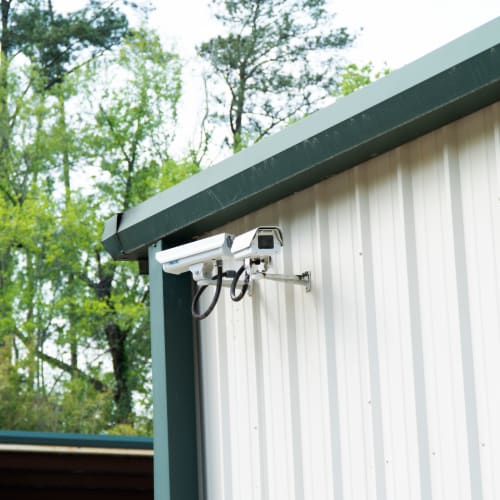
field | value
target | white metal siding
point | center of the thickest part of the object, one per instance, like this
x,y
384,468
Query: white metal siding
x,y
383,382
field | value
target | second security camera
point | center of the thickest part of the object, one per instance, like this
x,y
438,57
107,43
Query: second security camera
x,y
262,241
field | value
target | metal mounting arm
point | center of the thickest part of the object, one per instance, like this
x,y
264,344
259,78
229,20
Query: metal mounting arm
x,y
303,279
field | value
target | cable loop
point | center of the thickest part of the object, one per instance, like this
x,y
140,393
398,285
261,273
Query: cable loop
x,y
215,298
234,283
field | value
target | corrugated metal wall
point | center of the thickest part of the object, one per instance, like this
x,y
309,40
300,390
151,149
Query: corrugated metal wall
x,y
384,381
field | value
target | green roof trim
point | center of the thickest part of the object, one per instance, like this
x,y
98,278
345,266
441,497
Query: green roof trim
x,y
72,439
447,84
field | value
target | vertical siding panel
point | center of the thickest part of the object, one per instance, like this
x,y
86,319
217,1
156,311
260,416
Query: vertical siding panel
x,y
392,340
353,358
366,256
244,398
225,422
234,429
382,382
239,400
315,424
261,423
253,487
419,418
276,381
274,421
279,425
287,320
218,473
323,281
440,323
452,173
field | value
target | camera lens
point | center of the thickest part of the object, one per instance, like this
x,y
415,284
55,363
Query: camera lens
x,y
265,241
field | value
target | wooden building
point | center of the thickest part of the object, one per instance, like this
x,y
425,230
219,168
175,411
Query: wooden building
x,y
38,466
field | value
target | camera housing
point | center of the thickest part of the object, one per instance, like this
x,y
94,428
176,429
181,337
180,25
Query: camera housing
x,y
192,256
261,242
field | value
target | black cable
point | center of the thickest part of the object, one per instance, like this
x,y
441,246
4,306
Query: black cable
x,y
234,283
215,298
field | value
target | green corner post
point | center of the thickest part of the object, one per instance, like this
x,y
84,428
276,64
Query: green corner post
x,y
174,387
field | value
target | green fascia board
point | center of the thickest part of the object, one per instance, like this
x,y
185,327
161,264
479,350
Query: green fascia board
x,y
451,82
75,440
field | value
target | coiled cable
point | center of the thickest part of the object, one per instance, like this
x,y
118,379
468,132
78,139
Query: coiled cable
x,y
234,284
215,298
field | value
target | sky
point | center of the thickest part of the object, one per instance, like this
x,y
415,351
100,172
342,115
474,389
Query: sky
x,y
394,31
390,32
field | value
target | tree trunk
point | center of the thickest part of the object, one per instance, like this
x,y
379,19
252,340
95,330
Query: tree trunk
x,y
116,338
4,110
122,396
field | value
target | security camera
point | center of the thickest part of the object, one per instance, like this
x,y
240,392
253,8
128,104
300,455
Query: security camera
x,y
198,256
255,249
260,242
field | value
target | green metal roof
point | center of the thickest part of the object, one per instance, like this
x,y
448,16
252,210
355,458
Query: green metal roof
x,y
71,439
451,82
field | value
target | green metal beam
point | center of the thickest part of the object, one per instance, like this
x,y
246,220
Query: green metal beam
x,y
449,83
71,439
174,388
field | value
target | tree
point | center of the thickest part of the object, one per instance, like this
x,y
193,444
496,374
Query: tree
x,y
135,121
56,45
354,77
129,142
38,50
74,335
35,391
55,41
279,60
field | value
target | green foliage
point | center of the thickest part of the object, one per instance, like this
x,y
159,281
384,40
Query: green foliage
x,y
72,407
279,60
354,77
135,120
54,42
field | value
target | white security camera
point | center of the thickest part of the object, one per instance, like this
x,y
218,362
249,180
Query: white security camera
x,y
196,256
200,257
260,242
255,248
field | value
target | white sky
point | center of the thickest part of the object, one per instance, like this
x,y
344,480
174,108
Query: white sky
x,y
395,32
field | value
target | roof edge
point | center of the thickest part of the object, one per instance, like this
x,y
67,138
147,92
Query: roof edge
x,y
76,440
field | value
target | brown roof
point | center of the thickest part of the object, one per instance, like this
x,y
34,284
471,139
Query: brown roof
x,y
74,473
